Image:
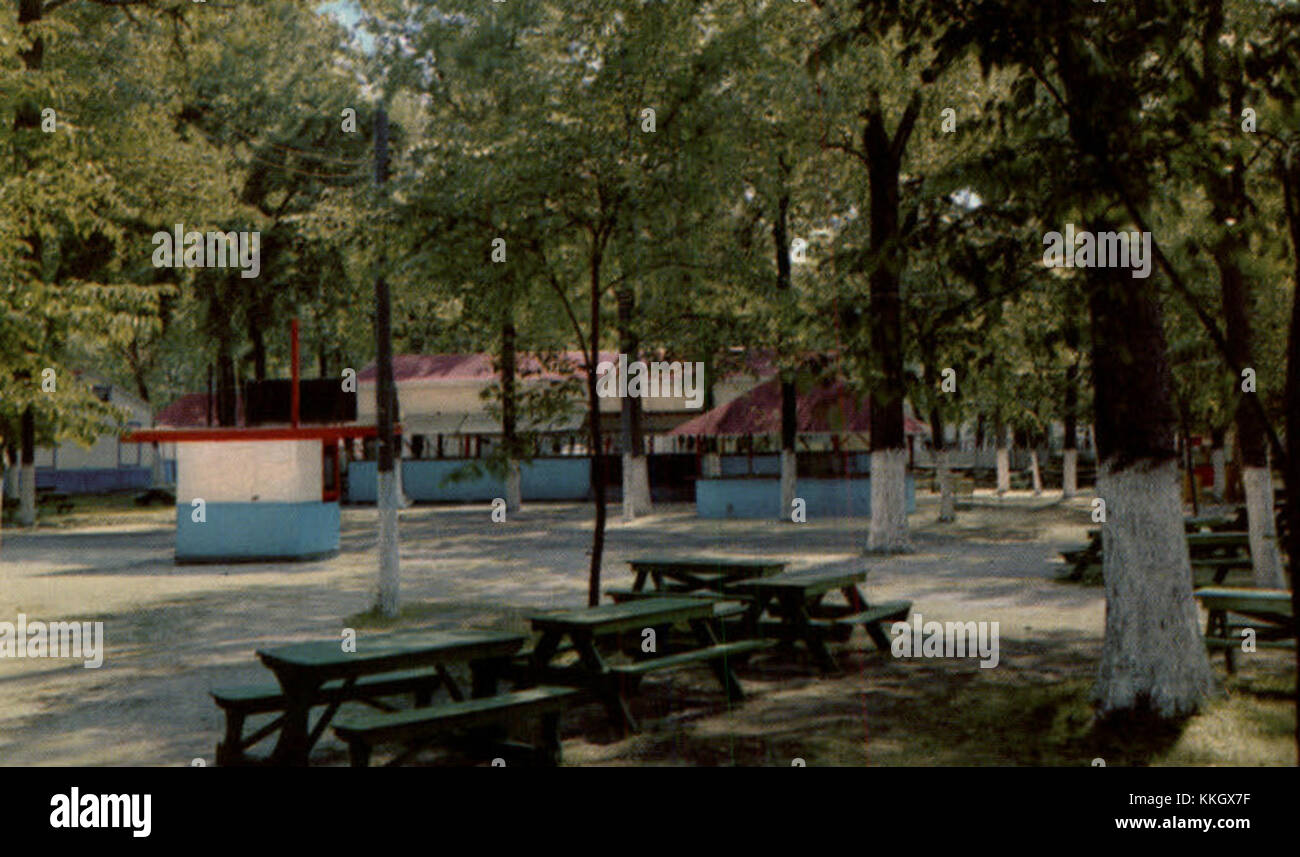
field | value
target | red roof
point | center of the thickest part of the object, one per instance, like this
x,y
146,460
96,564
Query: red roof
x,y
191,410
829,408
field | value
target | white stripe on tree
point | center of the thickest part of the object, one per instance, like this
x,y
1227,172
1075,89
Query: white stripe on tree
x,y
888,532
1265,557
1153,655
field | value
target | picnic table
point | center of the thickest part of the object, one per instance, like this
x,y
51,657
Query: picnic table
x,y
795,599
1212,554
302,669
613,683
688,574
1268,612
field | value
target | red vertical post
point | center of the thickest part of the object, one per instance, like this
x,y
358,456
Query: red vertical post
x,y
294,393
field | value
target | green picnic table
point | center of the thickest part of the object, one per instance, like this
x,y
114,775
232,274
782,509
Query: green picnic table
x,y
795,599
1268,613
302,668
613,683
690,573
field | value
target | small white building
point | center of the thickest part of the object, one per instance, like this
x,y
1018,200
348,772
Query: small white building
x,y
108,464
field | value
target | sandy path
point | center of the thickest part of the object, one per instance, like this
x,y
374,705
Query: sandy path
x,y
173,632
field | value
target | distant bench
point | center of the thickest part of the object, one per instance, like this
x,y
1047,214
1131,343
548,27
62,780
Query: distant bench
x,y
61,500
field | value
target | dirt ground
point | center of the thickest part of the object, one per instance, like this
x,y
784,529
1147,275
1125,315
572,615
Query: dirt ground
x,y
174,632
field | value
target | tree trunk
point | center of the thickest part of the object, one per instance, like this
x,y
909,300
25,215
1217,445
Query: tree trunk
x,y
227,389
947,498
259,346
1154,660
1034,472
636,475
387,483
888,533
1291,199
1004,456
509,432
1070,444
27,472
789,398
1218,463
1252,439
597,461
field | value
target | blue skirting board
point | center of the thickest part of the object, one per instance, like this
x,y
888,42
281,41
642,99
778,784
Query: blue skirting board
x,y
253,532
760,497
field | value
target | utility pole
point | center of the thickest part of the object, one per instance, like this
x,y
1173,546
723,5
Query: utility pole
x,y
386,480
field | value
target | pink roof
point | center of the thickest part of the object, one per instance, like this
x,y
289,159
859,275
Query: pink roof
x,y
466,367
829,408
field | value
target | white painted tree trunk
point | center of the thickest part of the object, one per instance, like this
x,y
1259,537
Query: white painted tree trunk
x,y
789,483
389,567
156,477
1218,461
27,495
403,502
1070,474
711,465
11,478
1153,656
514,499
1004,470
888,533
1037,476
636,487
947,496
1265,557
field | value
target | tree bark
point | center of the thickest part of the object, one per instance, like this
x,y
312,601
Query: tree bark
x,y
1154,660
27,471
888,533
947,496
597,461
509,431
636,476
1290,175
789,397
1003,454
1217,461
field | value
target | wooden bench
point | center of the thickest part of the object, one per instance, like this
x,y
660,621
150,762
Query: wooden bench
x,y
240,702
61,500
1267,611
417,728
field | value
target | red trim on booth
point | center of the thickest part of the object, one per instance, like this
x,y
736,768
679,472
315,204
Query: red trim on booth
x,y
234,434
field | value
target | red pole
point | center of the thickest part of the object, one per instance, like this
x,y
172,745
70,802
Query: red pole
x,y
293,395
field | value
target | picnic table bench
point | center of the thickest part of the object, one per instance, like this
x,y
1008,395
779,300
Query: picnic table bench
x,y
416,728
795,600
688,574
1213,554
613,683
1268,612
303,671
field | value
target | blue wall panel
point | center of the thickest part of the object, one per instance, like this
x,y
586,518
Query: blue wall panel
x,y
424,480
243,532
99,480
761,498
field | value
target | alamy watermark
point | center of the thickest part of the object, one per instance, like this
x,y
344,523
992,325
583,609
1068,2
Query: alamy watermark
x,y
181,249
651,380
1085,249
81,640
946,640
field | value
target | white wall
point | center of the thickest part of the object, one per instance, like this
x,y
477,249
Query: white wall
x,y
249,471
